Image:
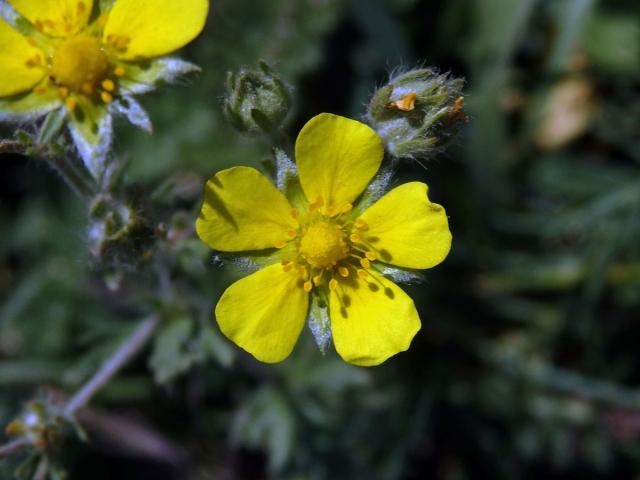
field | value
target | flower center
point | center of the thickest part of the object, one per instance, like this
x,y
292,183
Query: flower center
x,y
80,64
323,245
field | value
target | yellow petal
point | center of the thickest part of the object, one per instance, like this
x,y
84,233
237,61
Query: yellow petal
x,y
151,28
336,157
264,313
372,319
16,54
406,229
243,211
59,18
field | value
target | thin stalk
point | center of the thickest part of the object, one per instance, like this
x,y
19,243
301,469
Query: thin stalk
x,y
129,348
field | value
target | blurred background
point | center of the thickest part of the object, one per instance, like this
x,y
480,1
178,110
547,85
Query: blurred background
x,y
527,365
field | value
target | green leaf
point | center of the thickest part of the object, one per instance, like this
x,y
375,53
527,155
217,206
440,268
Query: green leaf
x,y
171,355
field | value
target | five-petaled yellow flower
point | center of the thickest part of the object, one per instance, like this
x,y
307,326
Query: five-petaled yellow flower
x,y
80,57
325,241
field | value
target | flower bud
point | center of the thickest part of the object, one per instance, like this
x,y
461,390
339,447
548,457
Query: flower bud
x,y
257,101
118,236
417,112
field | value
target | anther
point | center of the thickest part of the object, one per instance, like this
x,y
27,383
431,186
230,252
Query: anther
x,y
343,271
40,90
106,97
317,204
333,284
331,211
119,71
370,255
354,237
365,263
108,84
287,267
63,92
406,103
302,271
294,213
317,279
361,224
292,233
362,273
280,244
346,208
71,103
308,286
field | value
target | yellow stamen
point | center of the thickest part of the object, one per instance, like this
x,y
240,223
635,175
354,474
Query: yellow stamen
x,y
370,255
317,279
285,261
294,213
119,71
280,244
406,103
346,208
333,284
287,267
365,263
316,205
108,84
71,103
354,237
343,271
302,271
106,97
292,233
362,273
361,224
40,90
331,211
308,286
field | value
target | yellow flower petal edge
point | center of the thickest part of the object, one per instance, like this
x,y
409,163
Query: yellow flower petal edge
x,y
58,18
405,229
15,55
243,211
151,28
372,319
336,157
264,313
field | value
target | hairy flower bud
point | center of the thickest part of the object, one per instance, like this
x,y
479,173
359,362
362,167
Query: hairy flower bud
x,y
117,235
417,112
257,101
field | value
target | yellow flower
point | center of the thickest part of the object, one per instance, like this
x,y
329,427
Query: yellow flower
x,y
90,59
326,242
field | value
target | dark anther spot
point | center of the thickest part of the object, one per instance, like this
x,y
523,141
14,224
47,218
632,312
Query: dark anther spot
x,y
373,287
389,293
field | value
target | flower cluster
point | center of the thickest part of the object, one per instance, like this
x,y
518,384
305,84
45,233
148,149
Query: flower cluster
x,y
326,245
86,61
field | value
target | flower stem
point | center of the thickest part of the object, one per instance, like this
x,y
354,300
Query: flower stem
x,y
129,348
12,447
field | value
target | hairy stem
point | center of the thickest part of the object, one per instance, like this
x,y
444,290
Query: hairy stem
x,y
12,447
129,348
